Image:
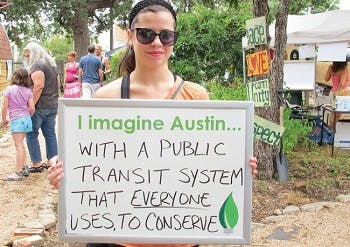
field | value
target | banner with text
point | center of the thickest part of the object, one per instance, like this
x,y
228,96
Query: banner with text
x,y
259,92
256,31
152,171
258,63
267,131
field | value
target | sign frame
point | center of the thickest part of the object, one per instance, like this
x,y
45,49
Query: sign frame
x,y
67,137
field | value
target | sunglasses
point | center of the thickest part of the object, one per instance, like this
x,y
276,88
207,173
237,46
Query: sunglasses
x,y
146,36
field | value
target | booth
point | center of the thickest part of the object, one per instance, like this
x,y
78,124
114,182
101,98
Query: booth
x,y
301,73
328,35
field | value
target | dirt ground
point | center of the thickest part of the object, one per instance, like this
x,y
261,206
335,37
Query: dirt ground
x,y
328,227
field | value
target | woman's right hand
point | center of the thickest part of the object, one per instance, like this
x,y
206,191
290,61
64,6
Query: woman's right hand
x,y
56,174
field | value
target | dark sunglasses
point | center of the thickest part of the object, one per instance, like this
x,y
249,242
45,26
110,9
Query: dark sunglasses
x,y
146,36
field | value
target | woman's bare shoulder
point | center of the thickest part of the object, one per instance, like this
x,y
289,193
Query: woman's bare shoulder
x,y
110,91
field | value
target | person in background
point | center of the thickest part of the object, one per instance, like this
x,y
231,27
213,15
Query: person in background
x,y
90,73
151,37
71,83
106,67
338,73
43,72
18,102
25,60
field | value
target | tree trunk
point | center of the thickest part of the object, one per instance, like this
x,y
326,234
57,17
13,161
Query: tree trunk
x,y
81,34
264,152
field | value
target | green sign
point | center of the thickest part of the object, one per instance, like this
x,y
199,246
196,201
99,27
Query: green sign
x,y
259,92
267,131
256,31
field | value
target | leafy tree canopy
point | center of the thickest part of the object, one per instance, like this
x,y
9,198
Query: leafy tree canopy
x,y
39,19
209,44
85,19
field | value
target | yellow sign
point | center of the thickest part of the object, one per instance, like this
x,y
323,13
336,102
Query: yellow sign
x,y
258,63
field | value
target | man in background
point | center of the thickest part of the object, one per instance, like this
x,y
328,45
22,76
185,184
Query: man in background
x,y
90,73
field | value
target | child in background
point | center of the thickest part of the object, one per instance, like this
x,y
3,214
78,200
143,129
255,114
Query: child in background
x,y
19,103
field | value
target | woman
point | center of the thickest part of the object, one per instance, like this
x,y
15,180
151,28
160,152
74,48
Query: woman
x,y
43,72
71,77
106,66
151,37
338,72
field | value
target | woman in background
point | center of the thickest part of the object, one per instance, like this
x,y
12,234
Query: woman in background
x,y
43,72
338,73
71,83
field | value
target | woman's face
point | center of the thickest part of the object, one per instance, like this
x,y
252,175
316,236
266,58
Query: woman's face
x,y
154,53
71,58
26,55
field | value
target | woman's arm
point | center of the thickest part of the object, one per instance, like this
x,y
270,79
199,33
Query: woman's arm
x,y
38,78
328,74
31,106
5,104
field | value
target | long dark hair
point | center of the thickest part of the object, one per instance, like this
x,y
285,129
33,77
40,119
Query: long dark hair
x,y
20,77
337,66
128,62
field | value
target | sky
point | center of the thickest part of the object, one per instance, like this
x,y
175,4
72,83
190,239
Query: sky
x,y
344,4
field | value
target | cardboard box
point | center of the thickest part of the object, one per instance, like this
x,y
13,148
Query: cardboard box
x,y
342,135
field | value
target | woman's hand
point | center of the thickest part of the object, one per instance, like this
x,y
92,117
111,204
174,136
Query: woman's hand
x,y
56,174
254,166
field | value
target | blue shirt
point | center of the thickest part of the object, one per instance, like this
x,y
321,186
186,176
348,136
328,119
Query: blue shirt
x,y
90,65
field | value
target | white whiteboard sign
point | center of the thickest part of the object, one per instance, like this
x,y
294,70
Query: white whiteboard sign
x,y
299,75
332,52
148,171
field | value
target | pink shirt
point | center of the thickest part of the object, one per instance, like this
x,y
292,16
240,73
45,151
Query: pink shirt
x,y
18,98
336,82
72,70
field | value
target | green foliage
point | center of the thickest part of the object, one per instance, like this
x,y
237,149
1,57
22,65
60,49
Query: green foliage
x,y
115,61
210,43
233,91
314,6
186,6
303,7
296,130
295,133
59,47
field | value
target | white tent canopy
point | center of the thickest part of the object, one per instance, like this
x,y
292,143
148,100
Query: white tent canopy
x,y
322,28
326,27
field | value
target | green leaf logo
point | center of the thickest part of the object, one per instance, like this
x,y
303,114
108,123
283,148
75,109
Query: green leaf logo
x,y
228,215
